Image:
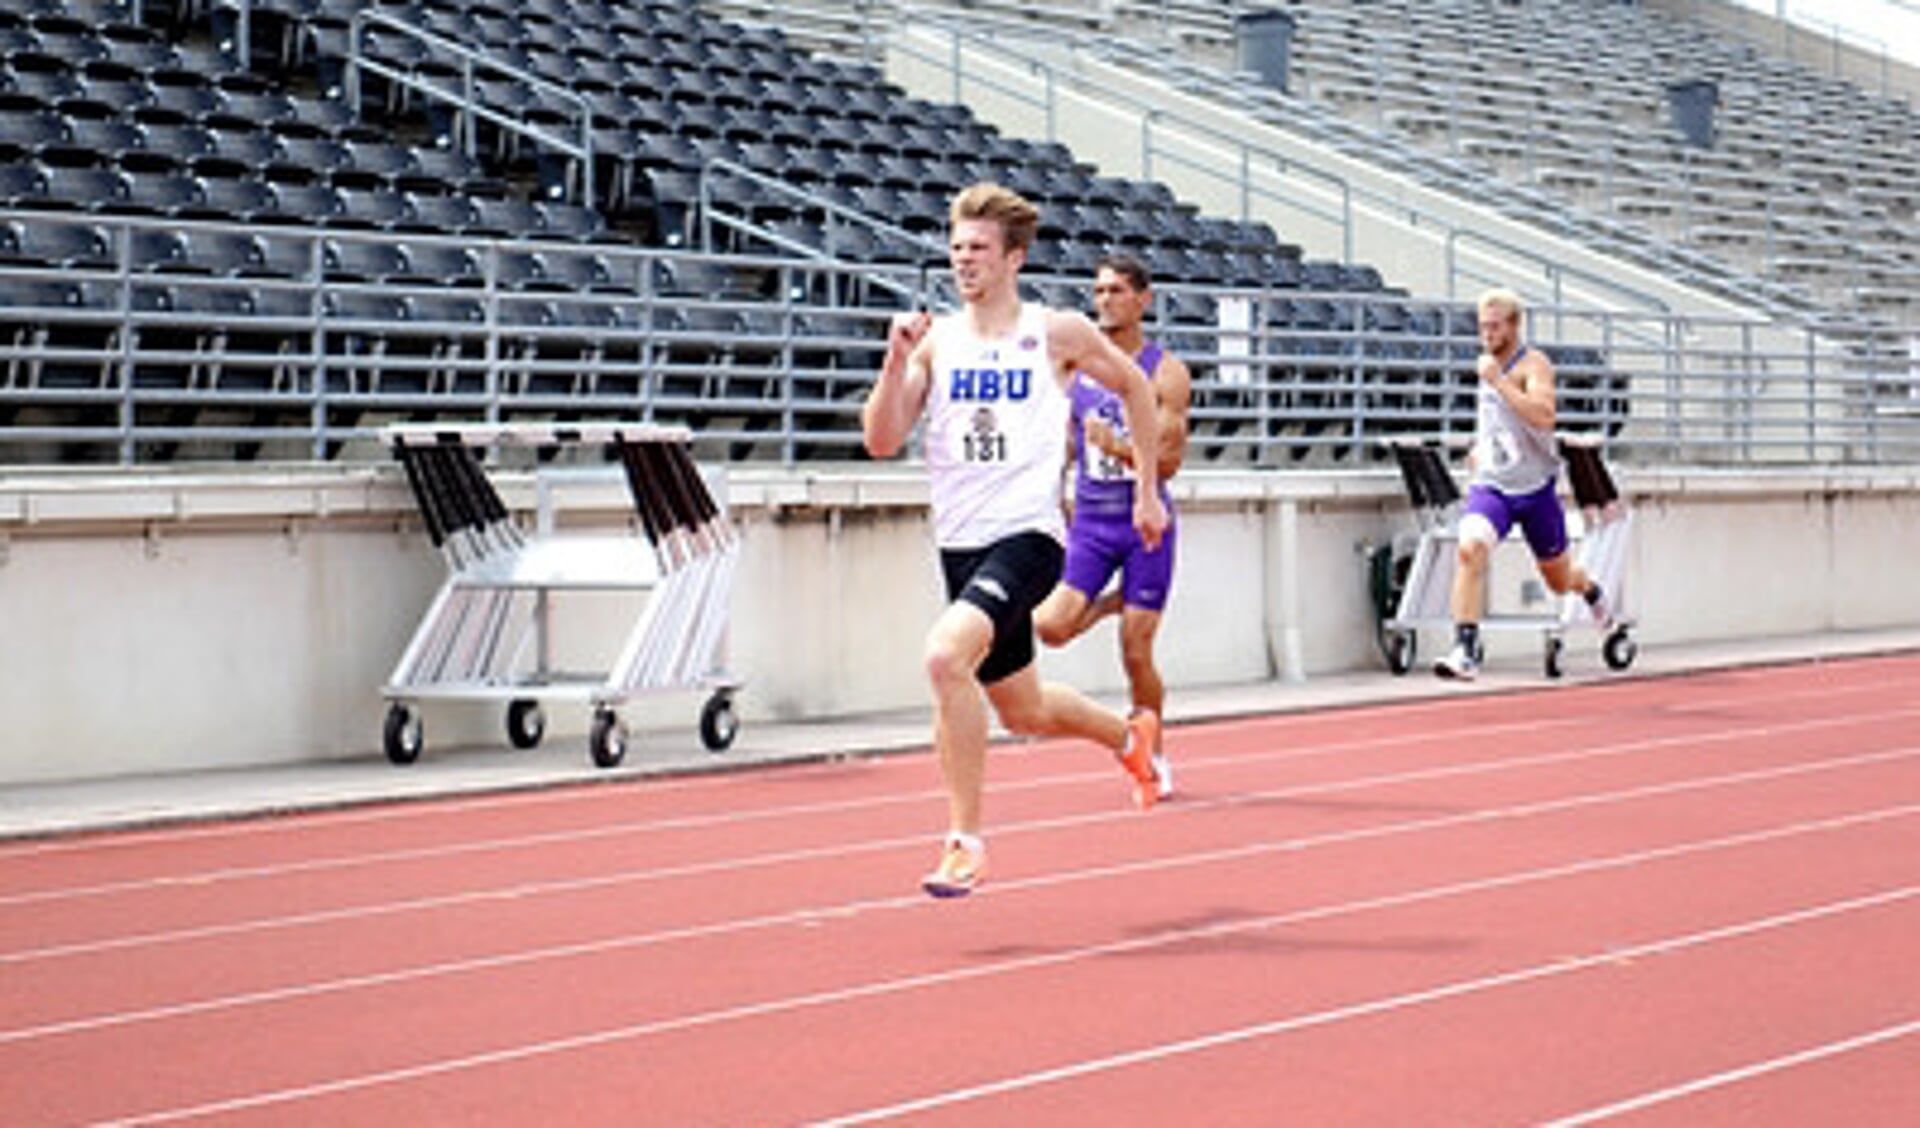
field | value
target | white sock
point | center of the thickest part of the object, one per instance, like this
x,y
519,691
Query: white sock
x,y
972,843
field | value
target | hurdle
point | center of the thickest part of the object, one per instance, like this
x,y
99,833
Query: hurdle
x,y
488,634
1413,587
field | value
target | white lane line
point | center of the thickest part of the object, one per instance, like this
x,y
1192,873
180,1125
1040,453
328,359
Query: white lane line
x,y
692,822
1734,1076
524,890
880,988
1189,765
589,789
1456,989
718,820
848,911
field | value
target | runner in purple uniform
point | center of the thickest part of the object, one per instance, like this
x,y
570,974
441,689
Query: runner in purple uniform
x,y
1101,538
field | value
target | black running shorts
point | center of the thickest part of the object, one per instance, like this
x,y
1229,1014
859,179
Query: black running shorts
x,y
1007,579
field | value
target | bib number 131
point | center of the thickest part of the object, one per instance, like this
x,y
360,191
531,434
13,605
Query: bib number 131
x,y
986,448
984,441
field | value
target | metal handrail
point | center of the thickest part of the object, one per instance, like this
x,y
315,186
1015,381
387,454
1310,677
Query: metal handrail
x,y
472,108
934,250
1248,153
1304,372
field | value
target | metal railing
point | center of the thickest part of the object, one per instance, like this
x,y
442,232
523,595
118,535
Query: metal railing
x,y
1162,133
769,358
465,100
1752,217
1775,262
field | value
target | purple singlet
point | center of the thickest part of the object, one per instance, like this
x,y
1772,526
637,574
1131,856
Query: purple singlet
x,y
1102,536
1101,483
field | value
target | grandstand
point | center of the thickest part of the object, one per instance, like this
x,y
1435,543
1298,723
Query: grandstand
x,y
237,239
1808,183
460,210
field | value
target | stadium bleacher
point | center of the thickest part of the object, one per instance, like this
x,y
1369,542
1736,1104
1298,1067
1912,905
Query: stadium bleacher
x,y
1807,188
270,248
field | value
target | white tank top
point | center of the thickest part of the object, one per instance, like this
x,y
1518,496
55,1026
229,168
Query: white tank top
x,y
1512,455
996,426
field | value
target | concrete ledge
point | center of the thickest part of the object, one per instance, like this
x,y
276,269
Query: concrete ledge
x,y
57,502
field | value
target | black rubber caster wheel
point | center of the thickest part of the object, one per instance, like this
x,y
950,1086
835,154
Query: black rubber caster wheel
x,y
526,724
1619,650
1402,648
404,735
719,724
607,740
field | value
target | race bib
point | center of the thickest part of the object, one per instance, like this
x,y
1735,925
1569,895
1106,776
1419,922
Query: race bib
x,y
983,440
1505,452
1101,466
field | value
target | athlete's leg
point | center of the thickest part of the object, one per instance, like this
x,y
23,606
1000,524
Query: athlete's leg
x,y
1032,707
1485,519
1146,580
1061,616
1563,575
1544,522
959,639
1470,568
1138,627
1075,603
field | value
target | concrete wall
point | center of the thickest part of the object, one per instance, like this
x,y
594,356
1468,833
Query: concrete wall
x,y
164,622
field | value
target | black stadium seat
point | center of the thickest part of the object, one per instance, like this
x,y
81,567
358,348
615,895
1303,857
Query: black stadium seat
x,y
236,200
446,214
374,208
506,219
22,184
356,261
230,253
298,160
88,189
150,249
25,134
177,105
168,148
108,141
163,194
304,204
58,242
441,264
247,153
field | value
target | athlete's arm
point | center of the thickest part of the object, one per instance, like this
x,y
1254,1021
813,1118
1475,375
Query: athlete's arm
x,y
1528,389
1173,387
1173,390
900,392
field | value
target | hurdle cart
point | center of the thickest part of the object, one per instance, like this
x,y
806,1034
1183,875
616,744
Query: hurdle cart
x,y
1412,578
489,633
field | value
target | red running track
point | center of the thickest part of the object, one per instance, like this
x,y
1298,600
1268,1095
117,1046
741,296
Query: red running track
x,y
1682,901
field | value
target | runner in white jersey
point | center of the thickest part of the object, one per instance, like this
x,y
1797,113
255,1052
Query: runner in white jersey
x,y
1516,466
990,381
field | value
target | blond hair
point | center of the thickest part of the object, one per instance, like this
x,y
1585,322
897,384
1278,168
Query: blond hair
x,y
1504,300
1017,218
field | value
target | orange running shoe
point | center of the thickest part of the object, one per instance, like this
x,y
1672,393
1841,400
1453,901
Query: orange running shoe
x,y
1143,739
963,862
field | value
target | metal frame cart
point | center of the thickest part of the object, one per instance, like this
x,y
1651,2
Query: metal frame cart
x,y
488,634
1412,586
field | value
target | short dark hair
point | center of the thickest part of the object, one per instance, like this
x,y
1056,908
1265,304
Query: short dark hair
x,y
1128,267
